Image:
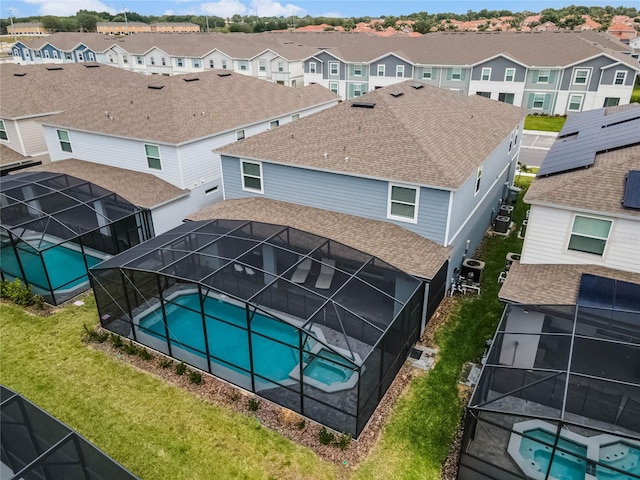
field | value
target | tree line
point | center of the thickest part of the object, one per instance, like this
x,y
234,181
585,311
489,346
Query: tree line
x,y
86,20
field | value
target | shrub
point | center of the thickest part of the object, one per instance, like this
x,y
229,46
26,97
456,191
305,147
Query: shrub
x,y
20,294
326,437
116,340
195,377
234,397
253,405
301,424
165,362
343,441
129,348
181,368
93,335
144,354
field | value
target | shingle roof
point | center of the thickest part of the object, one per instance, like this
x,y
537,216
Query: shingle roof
x,y
9,156
599,188
69,40
126,183
34,90
395,245
427,136
188,107
547,284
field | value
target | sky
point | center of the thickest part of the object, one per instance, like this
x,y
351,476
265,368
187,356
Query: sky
x,y
269,8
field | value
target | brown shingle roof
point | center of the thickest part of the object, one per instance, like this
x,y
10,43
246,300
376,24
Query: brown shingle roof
x,y
599,188
9,156
141,189
184,110
546,284
428,136
395,245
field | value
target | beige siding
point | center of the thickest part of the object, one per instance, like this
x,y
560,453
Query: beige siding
x,y
32,137
13,139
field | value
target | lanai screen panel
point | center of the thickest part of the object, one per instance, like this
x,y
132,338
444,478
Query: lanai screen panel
x,y
336,322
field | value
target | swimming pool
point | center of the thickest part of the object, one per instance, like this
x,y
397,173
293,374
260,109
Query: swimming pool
x,y
622,456
564,465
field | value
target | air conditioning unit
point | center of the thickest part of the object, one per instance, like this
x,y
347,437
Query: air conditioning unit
x,y
511,257
502,224
472,269
505,210
512,195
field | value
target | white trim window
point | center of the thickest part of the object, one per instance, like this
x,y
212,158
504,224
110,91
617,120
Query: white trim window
x,y
153,60
357,90
357,70
456,74
543,76
295,116
381,70
274,124
163,60
580,76
478,180
403,203
400,71
333,86
125,59
224,64
312,67
47,54
427,73
55,54
333,68
589,235
211,64
180,62
240,135
243,65
620,77
139,60
80,56
510,75
195,62
65,142
92,57
68,56
251,176
486,74
575,103
153,156
538,101
3,131
281,66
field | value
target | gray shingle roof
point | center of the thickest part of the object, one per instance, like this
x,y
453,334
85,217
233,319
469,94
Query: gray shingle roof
x,y
546,284
427,136
141,189
9,156
184,110
395,245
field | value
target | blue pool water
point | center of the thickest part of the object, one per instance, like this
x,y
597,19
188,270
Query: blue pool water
x,y
328,368
622,456
64,266
228,342
565,466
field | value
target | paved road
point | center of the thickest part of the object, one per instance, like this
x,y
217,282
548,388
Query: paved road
x,y
534,147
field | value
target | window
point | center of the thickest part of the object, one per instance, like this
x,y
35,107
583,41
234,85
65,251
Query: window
x,y
509,74
357,90
211,64
180,62
38,54
427,73
538,101
274,124
580,77
295,117
251,176
16,52
357,70
484,94
153,156
333,68
153,60
589,235
68,56
506,97
139,60
333,86
621,77
125,59
262,66
46,54
399,70
486,74
240,135
92,57
543,76
403,203
281,66
55,54
3,131
611,101
80,57
243,65
163,61
478,179
381,71
195,62
65,143
224,64
575,103
456,74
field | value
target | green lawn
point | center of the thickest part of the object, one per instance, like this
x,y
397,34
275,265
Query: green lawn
x,y
543,123
158,431
635,96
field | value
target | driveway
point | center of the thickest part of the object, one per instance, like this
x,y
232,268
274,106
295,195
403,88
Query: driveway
x,y
534,147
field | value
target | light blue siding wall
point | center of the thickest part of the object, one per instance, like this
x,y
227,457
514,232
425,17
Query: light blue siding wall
x,y
326,59
341,193
609,75
391,62
50,49
498,68
595,64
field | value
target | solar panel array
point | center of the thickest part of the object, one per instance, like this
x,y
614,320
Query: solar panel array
x,y
589,133
632,190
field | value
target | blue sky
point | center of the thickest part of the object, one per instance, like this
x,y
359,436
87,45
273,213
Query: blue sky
x,y
227,8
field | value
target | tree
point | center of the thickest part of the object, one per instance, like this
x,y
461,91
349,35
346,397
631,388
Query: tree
x,y
87,21
236,18
51,23
349,25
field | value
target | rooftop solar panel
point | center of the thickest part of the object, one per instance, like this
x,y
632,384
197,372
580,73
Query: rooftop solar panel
x,y
632,190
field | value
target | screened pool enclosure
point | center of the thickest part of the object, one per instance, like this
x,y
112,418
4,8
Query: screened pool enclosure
x,y
306,322
54,227
559,396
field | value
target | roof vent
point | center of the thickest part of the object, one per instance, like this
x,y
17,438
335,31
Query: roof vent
x,y
54,68
155,87
418,85
19,74
363,104
396,94
224,74
91,65
194,79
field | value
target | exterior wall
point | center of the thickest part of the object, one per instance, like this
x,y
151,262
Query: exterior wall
x,y
32,137
218,58
549,230
14,140
171,214
348,194
497,84
266,59
447,82
390,62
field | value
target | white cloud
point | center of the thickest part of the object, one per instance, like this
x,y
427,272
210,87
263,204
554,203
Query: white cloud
x,y
332,15
224,8
65,8
269,8
168,12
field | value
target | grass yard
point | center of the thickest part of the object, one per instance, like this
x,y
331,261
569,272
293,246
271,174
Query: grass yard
x,y
544,123
635,95
160,432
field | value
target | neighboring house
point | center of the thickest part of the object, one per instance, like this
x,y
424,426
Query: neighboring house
x,y
169,126
122,28
622,32
175,27
31,94
435,163
28,28
547,73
